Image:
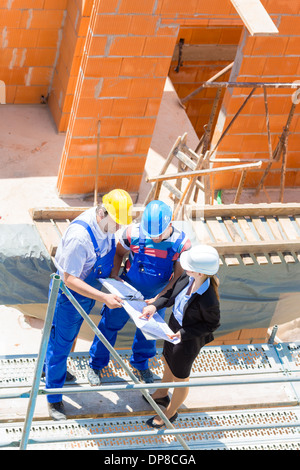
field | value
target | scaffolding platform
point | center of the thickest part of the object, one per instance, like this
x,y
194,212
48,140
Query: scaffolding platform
x,y
241,397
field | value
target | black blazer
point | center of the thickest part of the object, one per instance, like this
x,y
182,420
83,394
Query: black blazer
x,y
201,314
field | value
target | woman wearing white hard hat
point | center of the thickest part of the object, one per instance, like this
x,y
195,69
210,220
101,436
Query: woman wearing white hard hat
x,y
196,314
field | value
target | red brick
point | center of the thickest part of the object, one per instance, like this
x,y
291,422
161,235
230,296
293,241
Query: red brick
x,y
152,108
136,6
82,146
293,47
176,7
27,4
118,146
144,25
40,57
138,67
137,127
269,46
30,94
162,67
115,87
128,165
55,4
112,24
147,88
289,25
88,107
40,76
47,38
10,18
103,67
22,38
129,107
97,46
282,6
108,6
159,46
45,19
127,46
10,93
281,66
252,66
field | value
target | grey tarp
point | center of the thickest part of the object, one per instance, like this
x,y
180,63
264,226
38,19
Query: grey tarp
x,y
25,265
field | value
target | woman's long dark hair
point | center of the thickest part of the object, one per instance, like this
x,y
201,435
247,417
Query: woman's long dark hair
x,y
215,283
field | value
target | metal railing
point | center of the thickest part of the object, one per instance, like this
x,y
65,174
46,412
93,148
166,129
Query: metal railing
x,y
35,390
56,285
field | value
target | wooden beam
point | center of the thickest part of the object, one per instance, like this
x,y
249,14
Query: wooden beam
x,y
255,17
189,174
240,210
212,52
269,246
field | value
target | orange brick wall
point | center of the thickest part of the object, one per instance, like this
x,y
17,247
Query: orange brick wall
x,y
192,74
109,59
129,48
269,59
30,33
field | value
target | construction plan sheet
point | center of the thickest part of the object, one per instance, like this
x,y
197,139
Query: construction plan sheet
x,y
133,303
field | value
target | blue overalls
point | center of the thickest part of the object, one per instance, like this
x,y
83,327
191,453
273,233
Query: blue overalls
x,y
149,275
67,320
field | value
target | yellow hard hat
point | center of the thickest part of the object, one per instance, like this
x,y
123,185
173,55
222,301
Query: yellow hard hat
x,y
118,204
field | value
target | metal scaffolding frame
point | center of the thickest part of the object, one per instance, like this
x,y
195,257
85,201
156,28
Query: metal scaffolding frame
x,y
59,284
35,391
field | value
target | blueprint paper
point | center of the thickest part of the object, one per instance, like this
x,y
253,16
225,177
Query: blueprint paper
x,y
156,327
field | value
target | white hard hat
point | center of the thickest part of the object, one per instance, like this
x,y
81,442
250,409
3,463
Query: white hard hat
x,y
201,259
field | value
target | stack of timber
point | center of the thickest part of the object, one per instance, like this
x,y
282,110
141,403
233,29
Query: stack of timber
x,y
242,233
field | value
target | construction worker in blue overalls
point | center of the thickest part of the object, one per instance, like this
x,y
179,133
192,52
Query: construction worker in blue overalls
x,y
85,254
154,248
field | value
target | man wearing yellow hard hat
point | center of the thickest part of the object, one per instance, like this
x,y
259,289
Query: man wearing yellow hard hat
x,y
85,254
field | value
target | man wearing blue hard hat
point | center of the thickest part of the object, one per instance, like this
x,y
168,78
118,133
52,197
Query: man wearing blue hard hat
x,y
154,247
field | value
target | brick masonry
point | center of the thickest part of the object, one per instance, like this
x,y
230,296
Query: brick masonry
x,y
108,60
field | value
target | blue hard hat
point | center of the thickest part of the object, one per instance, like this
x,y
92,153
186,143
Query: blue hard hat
x,y
156,218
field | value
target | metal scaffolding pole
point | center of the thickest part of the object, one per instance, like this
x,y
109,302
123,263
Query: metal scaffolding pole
x,y
58,283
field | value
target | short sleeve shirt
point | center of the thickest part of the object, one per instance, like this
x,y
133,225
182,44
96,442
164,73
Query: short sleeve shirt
x,y
75,254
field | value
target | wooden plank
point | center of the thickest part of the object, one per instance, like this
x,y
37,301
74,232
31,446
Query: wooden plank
x,y
289,258
231,260
261,259
216,229
275,258
62,225
255,17
260,228
246,229
236,210
60,213
211,52
201,231
287,227
268,246
247,259
49,235
232,230
273,225
192,174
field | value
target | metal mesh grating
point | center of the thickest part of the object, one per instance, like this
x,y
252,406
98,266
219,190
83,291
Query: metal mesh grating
x,y
227,436
215,360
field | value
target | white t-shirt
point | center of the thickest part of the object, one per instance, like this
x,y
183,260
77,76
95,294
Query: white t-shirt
x,y
75,253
